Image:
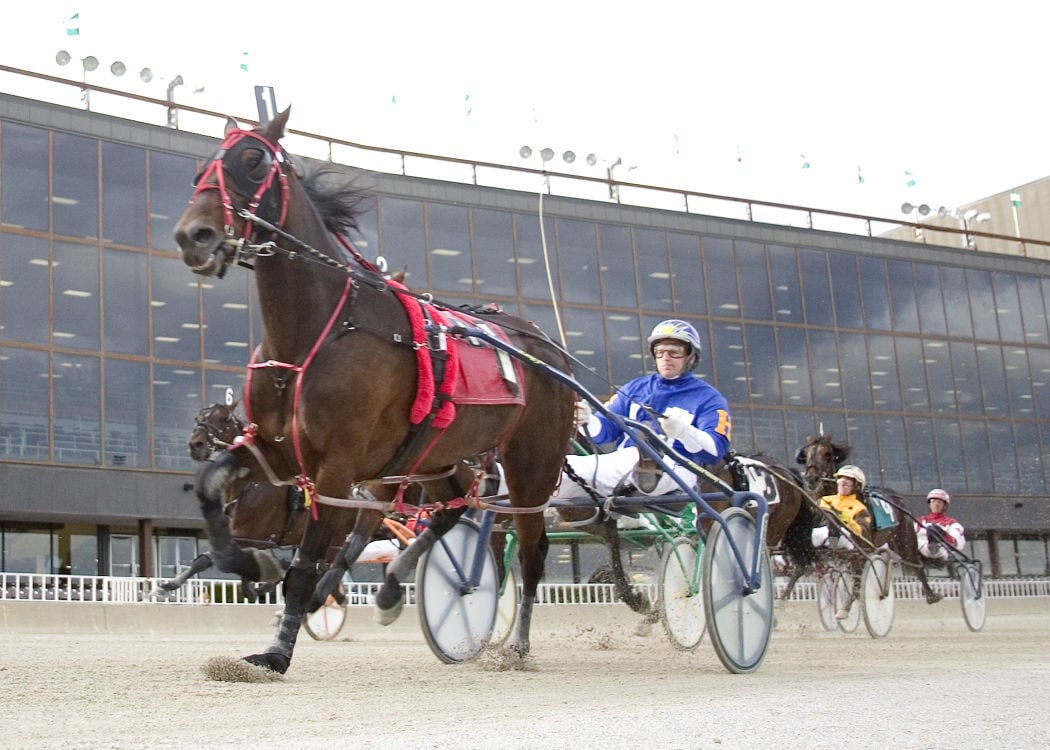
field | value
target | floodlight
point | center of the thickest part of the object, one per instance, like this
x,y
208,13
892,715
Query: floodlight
x,y
525,152
568,157
63,57
591,160
907,208
146,75
90,63
118,68
547,154
924,210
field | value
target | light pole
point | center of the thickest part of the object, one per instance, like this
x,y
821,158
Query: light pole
x,y
973,215
921,211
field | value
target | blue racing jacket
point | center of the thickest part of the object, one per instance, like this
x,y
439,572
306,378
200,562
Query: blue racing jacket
x,y
709,408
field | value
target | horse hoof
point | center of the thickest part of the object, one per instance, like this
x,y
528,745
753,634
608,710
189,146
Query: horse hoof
x,y
933,598
387,616
274,662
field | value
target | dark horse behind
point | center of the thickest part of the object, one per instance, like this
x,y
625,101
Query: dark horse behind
x,y
334,391
822,456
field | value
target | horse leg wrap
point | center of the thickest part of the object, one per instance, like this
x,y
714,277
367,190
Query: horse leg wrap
x,y
270,570
389,598
521,636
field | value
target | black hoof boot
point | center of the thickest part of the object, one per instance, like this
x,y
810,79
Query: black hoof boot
x,y
274,662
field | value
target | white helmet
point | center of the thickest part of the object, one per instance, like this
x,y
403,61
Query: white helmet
x,y
678,330
939,494
853,472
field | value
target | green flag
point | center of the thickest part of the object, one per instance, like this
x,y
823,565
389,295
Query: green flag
x,y
244,62
805,161
1015,199
73,25
860,174
468,105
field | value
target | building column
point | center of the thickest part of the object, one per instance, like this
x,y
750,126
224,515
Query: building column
x,y
146,562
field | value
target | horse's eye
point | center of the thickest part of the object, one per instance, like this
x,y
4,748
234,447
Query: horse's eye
x,y
257,164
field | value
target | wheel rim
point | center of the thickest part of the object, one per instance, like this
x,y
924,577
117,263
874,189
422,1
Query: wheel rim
x,y
324,623
843,592
681,605
826,601
972,598
877,596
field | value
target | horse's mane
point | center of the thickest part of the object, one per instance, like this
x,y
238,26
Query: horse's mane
x,y
339,200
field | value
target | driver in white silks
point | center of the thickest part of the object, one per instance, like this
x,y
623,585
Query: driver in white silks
x,y
692,414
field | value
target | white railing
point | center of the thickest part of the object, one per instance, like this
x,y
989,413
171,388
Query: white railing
x,y
64,588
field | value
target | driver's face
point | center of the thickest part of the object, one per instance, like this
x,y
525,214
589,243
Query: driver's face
x,y
672,358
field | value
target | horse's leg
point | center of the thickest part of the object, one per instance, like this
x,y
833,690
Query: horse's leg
x,y
390,597
200,563
365,526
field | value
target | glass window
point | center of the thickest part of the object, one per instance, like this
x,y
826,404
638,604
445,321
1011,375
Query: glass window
x,y
619,281
947,437
123,194
124,555
30,552
816,289
993,380
855,378
922,458
177,399
937,356
402,239
83,554
913,374
226,319
956,299
127,389
78,413
966,378
982,305
1030,292
803,425
793,367
585,335
449,248
533,258
902,296
882,361
1007,307
787,292
218,382
578,261
730,365
1018,382
24,162
174,310
74,204
931,300
654,274
754,281
76,298
874,293
1029,458
892,458
1039,363
978,457
1032,557
1004,467
862,435
824,364
170,188
494,262
762,376
627,347
720,274
174,553
126,327
25,412
844,285
687,274
24,289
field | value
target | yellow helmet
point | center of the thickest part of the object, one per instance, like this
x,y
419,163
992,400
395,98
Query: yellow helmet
x,y
852,472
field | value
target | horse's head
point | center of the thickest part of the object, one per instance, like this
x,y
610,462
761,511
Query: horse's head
x,y
215,428
821,457
245,181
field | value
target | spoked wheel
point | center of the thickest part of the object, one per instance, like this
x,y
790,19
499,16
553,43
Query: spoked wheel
x,y
457,619
740,621
877,596
844,597
971,596
506,610
826,599
324,623
681,605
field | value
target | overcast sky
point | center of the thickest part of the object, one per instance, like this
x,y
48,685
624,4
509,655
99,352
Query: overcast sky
x,y
720,97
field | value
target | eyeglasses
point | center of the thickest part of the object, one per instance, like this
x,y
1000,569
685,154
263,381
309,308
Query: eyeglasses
x,y
674,352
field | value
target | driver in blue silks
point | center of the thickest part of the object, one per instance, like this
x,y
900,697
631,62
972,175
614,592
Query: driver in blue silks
x,y
692,413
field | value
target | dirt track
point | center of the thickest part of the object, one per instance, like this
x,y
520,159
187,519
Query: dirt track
x,y
590,683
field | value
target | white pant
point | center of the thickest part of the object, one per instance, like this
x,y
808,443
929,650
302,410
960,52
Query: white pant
x,y
605,471
933,551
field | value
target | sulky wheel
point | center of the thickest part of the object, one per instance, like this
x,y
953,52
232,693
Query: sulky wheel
x,y
971,596
457,618
680,602
740,622
876,595
506,609
324,623
826,598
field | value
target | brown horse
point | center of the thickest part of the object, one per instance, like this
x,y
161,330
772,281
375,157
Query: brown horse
x,y
344,389
822,456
